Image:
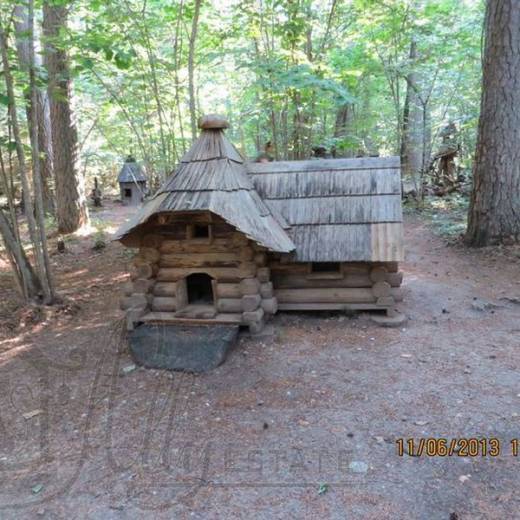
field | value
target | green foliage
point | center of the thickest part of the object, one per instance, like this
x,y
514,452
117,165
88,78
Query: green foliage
x,y
446,215
282,71
100,236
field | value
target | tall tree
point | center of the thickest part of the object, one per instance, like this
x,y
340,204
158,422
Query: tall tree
x,y
47,281
191,68
412,137
23,47
36,227
494,214
71,206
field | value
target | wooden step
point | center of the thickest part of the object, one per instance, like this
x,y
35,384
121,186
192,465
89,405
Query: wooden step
x,y
170,317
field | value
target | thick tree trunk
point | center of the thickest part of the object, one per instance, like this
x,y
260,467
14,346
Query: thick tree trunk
x,y
412,131
71,206
21,21
494,214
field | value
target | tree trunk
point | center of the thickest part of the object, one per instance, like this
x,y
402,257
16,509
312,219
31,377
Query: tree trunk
x,y
412,138
22,268
26,279
23,48
494,213
71,205
34,232
46,278
342,128
191,68
342,120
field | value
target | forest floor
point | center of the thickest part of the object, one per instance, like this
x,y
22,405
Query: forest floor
x,y
303,425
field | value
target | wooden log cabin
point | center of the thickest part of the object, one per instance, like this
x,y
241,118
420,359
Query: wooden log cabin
x,y
225,241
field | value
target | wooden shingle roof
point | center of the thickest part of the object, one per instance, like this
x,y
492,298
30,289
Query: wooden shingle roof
x,y
212,177
131,172
338,210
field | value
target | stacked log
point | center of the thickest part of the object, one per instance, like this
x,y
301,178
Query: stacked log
x,y
354,286
137,298
237,266
249,285
253,314
332,295
169,296
228,290
382,288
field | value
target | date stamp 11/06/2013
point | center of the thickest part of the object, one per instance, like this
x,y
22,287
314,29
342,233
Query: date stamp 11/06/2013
x,y
456,447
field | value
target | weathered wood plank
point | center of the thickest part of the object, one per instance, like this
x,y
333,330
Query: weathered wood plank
x,y
228,290
331,295
172,274
164,303
328,306
328,183
169,317
295,281
387,242
332,243
229,305
209,259
217,245
339,209
165,289
358,163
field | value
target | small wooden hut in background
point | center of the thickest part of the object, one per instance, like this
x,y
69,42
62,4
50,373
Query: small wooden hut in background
x,y
223,241
132,182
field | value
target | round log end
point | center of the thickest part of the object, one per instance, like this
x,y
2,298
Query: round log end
x,y
378,274
381,289
213,122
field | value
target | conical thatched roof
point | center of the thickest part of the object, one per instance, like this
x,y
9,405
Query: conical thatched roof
x,y
212,177
131,171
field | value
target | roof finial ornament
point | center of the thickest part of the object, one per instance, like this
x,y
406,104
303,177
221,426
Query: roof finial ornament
x,y
213,122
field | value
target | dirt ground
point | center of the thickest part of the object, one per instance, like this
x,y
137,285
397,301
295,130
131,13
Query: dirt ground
x,y
303,425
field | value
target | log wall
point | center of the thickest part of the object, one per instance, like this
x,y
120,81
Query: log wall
x,y
249,285
241,279
355,286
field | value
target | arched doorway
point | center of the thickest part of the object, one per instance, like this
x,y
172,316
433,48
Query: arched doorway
x,y
199,288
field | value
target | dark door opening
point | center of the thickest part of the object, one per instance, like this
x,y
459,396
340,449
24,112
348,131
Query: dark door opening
x,y
128,193
200,291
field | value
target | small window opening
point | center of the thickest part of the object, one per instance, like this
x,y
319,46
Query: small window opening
x,y
200,291
325,267
200,231
128,193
